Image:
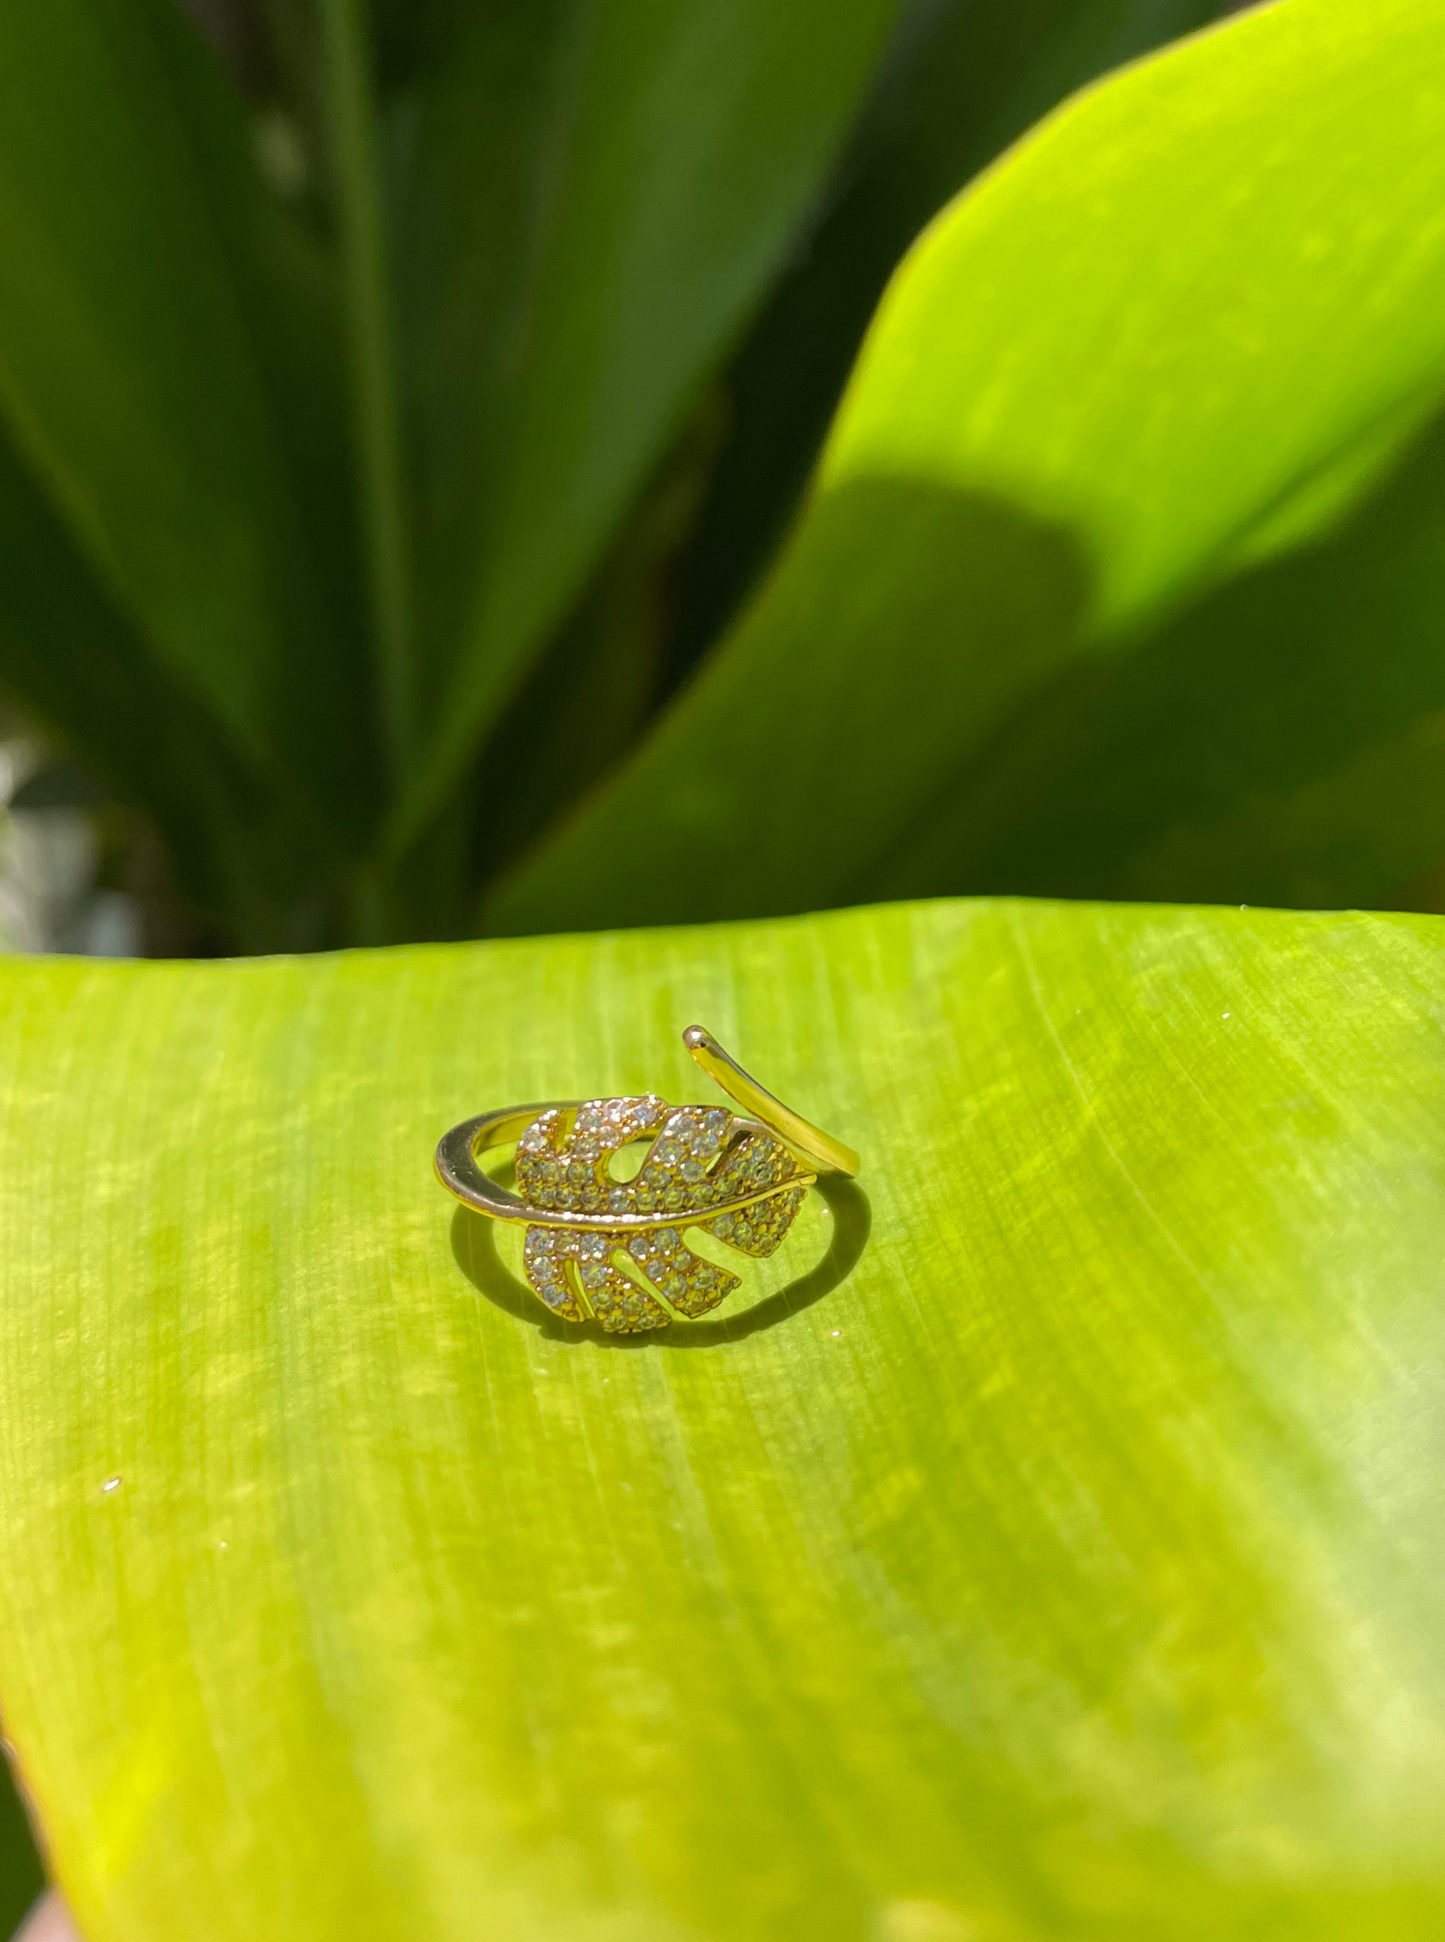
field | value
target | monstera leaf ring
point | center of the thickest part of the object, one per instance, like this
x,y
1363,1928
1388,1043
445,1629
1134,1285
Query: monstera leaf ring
x,y
607,1249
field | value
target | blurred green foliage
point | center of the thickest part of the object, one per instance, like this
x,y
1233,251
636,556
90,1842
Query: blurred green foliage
x,y
21,1877
398,404
1122,573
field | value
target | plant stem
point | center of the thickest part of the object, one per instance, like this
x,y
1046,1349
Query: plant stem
x,y
350,116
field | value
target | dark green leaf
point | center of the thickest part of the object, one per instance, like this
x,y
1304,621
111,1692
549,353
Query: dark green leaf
x,y
966,78
350,116
603,675
21,1875
589,200
162,372
1180,332
1281,742
244,850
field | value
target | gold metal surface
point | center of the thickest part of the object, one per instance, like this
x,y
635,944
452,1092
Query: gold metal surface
x,y
590,1267
826,1153
460,1174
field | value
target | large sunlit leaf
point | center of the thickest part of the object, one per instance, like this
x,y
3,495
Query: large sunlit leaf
x,y
161,378
1051,1551
588,199
1280,741
964,78
1179,331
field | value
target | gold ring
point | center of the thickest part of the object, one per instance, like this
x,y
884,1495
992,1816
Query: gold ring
x,y
612,1250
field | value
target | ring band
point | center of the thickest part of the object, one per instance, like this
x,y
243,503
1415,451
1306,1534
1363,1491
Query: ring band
x,y
604,1249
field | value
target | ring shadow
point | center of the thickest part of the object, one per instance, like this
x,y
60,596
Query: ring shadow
x,y
474,1249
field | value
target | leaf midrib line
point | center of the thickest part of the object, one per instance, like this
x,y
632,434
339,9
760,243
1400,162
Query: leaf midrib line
x,y
350,115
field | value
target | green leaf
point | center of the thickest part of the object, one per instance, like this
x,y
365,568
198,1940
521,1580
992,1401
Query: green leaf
x,y
1059,1558
21,1876
350,115
246,852
1282,741
588,201
163,373
599,683
1180,331
966,77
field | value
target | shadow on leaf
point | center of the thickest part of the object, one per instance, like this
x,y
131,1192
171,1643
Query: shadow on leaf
x,y
474,1247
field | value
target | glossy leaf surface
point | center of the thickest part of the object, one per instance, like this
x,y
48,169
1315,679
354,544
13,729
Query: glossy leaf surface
x,y
589,198
1058,1559
963,79
1180,332
1278,742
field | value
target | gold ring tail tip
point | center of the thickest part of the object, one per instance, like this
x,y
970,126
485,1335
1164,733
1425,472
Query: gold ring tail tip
x,y
602,1248
829,1155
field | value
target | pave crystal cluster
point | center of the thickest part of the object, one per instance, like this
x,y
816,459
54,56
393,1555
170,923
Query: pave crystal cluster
x,y
701,1159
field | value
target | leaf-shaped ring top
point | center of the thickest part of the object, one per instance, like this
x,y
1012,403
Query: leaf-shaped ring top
x,y
611,1249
